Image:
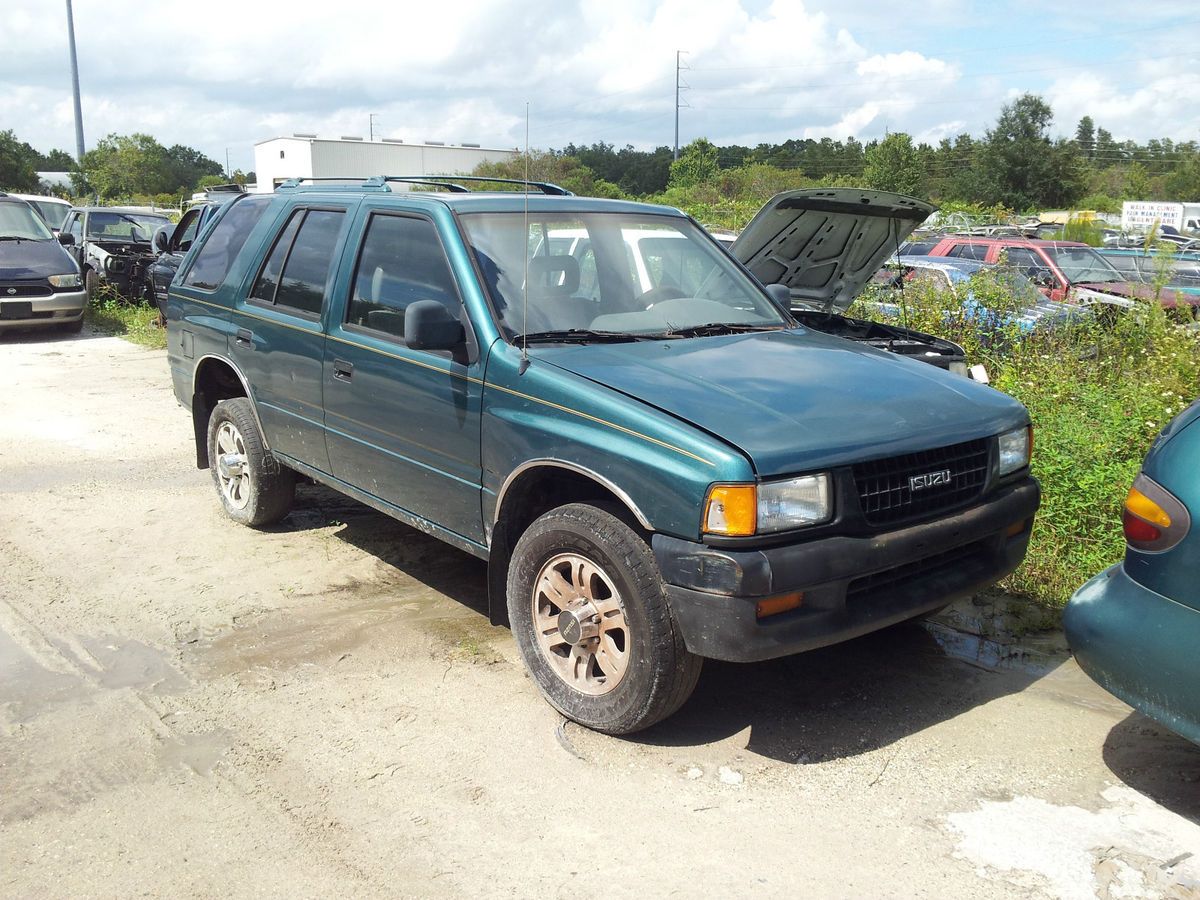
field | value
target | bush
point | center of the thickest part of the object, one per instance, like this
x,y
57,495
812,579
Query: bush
x,y
1098,391
110,313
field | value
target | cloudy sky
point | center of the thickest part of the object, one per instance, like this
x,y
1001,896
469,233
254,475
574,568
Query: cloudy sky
x,y
222,75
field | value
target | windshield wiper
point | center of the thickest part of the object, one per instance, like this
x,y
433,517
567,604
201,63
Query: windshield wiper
x,y
712,328
577,336
13,237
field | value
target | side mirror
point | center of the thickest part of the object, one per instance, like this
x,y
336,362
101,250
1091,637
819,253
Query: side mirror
x,y
780,294
428,325
66,239
162,239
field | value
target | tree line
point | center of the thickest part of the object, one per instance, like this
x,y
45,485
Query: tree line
x,y
120,167
1015,165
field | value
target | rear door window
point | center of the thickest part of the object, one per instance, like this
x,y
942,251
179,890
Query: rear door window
x,y
225,242
301,286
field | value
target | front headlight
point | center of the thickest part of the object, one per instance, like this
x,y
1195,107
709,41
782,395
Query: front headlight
x,y
736,510
1015,450
70,280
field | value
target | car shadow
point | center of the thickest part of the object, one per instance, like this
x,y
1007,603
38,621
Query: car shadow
x,y
46,335
839,701
1155,761
447,570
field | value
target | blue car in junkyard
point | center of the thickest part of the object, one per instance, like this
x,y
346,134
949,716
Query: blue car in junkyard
x,y
1182,273
953,274
1135,627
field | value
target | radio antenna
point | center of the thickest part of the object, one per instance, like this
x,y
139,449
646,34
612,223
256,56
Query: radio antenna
x,y
525,298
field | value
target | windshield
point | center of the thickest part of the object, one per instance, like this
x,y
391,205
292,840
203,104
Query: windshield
x,y
617,273
124,226
1083,264
54,213
18,220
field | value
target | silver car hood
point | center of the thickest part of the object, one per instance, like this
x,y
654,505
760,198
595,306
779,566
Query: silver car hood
x,y
824,244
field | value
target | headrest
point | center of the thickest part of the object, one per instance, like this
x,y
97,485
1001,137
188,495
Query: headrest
x,y
553,276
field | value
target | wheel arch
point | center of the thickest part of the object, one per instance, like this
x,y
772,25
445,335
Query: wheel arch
x,y
533,488
216,378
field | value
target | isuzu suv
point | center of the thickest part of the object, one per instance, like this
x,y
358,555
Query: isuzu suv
x,y
654,475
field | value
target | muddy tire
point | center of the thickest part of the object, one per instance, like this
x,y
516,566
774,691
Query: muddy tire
x,y
91,283
589,612
254,488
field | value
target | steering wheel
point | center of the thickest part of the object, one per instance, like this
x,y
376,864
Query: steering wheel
x,y
662,292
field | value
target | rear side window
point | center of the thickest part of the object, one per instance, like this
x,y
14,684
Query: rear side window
x,y
306,268
225,242
969,251
402,261
268,280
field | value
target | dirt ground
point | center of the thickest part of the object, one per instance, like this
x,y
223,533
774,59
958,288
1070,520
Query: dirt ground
x,y
190,707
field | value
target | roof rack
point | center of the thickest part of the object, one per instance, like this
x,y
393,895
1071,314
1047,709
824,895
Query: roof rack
x,y
449,182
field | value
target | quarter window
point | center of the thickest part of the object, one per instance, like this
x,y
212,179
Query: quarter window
x,y
268,279
225,242
401,261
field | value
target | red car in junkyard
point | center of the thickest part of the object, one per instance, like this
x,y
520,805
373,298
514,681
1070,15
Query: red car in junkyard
x,y
1063,270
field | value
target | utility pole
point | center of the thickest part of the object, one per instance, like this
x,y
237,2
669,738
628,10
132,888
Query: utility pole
x,y
678,66
75,84
228,173
371,126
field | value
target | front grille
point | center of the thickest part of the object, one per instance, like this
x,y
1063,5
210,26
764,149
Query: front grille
x,y
14,290
884,487
911,572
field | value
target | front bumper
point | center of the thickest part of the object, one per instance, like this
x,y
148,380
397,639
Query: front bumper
x,y
60,308
851,585
1139,646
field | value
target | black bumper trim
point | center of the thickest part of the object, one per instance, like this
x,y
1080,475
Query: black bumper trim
x,y
851,585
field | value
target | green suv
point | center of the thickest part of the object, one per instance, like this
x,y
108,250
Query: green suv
x,y
658,462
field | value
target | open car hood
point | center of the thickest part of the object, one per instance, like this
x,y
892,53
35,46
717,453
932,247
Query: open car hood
x,y
824,244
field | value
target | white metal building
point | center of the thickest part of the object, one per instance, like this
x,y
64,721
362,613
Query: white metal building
x,y
308,156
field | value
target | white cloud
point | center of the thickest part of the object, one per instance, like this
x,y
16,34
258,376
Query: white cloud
x,y
463,70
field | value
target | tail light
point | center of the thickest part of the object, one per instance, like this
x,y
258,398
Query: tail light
x,y
1153,518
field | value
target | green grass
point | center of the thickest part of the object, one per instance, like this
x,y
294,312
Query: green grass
x,y
108,313
1098,393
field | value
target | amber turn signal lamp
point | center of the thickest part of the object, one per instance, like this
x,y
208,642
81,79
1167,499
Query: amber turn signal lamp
x,y
773,606
732,510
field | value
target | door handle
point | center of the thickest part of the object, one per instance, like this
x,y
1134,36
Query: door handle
x,y
245,336
343,370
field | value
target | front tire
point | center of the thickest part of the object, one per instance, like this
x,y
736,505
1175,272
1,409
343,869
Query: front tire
x,y
589,612
254,488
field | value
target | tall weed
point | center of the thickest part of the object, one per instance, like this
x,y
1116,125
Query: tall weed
x,y
1098,389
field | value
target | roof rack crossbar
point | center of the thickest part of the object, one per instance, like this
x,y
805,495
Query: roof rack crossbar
x,y
449,182
444,181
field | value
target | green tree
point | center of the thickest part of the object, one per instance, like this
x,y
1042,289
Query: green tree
x,y
124,165
565,171
1021,167
1085,136
697,164
17,164
894,165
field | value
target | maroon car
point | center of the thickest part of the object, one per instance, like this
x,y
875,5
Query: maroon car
x,y
1063,270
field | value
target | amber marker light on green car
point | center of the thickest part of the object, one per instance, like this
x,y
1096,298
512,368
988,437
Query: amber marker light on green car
x,y
741,510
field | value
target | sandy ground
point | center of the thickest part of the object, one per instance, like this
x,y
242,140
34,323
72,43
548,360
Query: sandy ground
x,y
189,707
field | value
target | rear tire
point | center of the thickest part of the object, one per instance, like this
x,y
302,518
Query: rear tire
x,y
255,489
589,612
